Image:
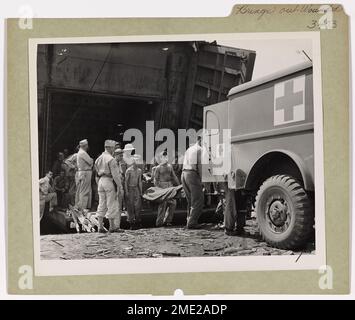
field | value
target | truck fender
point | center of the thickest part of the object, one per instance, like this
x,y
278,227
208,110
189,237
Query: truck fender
x,y
298,161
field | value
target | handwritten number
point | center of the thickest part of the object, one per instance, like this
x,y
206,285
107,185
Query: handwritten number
x,y
313,24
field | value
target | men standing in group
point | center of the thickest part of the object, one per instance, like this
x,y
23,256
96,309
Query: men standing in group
x,y
133,191
164,177
46,193
83,176
107,172
191,179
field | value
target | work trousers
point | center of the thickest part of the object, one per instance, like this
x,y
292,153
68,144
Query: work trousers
x,y
133,204
230,211
108,202
191,182
60,198
166,209
51,198
83,189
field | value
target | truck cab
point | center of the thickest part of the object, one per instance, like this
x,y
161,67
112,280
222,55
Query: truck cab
x,y
264,133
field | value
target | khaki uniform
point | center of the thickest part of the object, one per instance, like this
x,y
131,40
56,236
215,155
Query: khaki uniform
x,y
46,195
122,167
133,186
164,177
107,173
83,180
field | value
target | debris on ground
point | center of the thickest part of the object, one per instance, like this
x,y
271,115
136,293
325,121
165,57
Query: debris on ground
x,y
160,243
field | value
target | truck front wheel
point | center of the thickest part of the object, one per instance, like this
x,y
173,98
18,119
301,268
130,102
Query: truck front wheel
x,y
285,213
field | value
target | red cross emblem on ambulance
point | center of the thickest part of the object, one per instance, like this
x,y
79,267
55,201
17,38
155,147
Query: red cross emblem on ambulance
x,y
289,101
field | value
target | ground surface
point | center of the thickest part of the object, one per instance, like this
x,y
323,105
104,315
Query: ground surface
x,y
159,242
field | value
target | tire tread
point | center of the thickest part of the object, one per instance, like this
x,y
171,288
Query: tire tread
x,y
304,220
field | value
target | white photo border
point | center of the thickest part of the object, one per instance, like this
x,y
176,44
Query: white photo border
x,y
183,264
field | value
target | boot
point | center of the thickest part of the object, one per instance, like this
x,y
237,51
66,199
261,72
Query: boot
x,y
240,230
101,228
113,227
231,233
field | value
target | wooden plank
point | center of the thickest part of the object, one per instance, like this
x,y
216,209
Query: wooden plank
x,y
223,49
195,121
207,85
200,103
220,69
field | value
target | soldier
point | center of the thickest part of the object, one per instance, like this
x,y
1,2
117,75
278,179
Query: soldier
x,y
120,162
66,153
70,163
232,225
58,164
164,177
83,177
192,183
69,196
61,186
107,172
122,167
46,194
133,191
70,167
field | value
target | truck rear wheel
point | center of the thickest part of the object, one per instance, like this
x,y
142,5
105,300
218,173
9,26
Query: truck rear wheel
x,y
284,212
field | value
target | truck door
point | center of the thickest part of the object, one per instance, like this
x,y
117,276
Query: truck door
x,y
216,143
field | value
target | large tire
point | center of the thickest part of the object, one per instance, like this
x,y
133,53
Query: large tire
x,y
285,213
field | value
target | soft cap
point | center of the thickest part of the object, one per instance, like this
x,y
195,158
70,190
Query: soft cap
x,y
110,143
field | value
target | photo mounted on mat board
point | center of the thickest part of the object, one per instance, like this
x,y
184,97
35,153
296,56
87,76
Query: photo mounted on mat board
x,y
144,157
186,153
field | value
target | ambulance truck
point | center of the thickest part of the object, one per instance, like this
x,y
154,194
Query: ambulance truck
x,y
268,158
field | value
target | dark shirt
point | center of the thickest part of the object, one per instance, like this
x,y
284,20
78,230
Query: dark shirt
x,y
57,167
60,183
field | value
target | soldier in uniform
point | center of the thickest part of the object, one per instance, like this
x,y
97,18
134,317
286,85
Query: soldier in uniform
x,y
122,167
47,194
107,172
58,164
133,191
164,177
83,177
61,186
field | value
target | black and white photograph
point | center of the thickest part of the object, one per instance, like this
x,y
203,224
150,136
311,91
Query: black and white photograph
x,y
176,154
